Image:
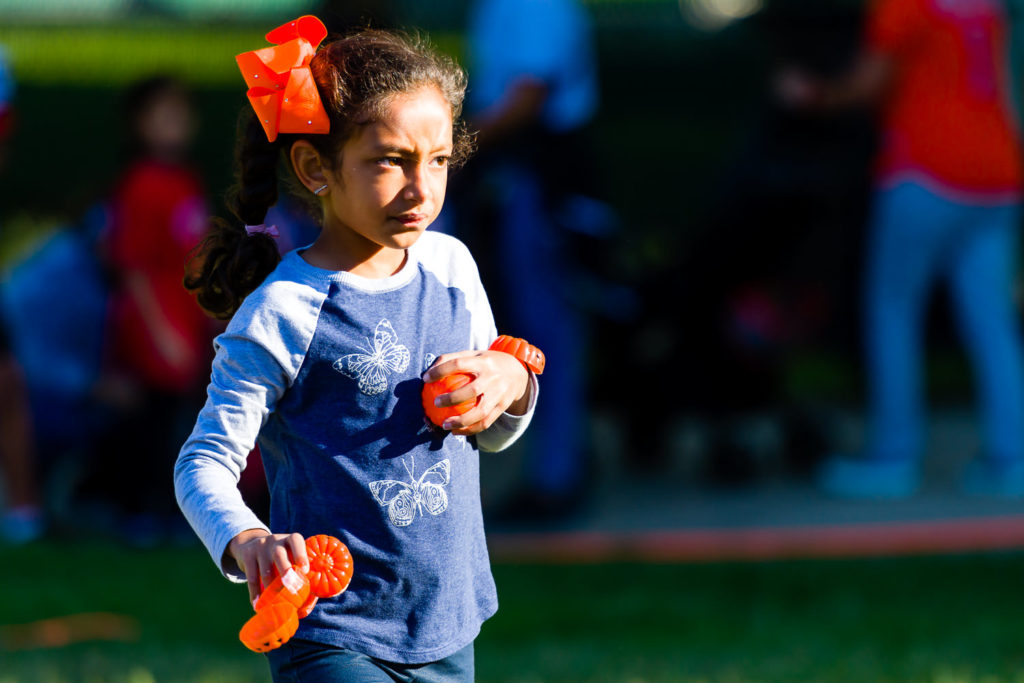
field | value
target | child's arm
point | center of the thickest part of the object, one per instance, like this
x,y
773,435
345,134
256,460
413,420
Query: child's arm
x,y
257,359
243,389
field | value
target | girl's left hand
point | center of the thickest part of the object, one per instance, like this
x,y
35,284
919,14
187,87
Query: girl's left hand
x,y
500,380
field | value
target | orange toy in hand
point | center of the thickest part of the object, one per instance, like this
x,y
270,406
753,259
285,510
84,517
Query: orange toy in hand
x,y
270,628
330,566
293,595
446,385
527,354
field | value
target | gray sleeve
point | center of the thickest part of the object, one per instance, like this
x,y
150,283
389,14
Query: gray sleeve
x,y
211,461
256,362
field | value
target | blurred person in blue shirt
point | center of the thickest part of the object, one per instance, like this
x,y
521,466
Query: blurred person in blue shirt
x,y
533,93
23,520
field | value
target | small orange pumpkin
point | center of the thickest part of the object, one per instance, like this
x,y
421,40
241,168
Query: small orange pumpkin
x,y
330,565
446,385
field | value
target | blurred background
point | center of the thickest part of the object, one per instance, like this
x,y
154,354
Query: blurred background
x,y
698,228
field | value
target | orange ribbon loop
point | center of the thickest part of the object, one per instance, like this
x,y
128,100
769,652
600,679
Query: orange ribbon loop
x,y
281,87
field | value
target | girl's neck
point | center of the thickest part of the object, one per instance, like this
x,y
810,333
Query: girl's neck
x,y
355,255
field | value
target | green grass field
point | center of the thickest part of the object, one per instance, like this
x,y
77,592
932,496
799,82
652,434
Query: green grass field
x,y
942,620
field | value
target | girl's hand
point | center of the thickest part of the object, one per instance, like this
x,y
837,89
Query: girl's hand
x,y
500,380
259,554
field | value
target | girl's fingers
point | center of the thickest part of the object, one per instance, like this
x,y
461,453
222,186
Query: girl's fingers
x,y
450,363
477,427
262,574
297,546
470,417
268,557
465,393
474,421
252,579
282,561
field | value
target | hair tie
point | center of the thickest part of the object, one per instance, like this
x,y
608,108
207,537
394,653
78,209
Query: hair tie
x,y
262,228
281,87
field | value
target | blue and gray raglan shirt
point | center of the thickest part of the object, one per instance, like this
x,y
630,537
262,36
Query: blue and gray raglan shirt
x,y
323,369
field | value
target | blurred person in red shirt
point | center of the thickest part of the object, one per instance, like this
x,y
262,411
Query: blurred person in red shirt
x,y
159,338
158,216
947,204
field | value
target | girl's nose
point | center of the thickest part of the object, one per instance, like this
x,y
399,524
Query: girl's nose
x,y
416,188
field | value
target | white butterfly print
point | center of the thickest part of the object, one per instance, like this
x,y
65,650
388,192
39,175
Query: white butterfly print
x,y
381,358
404,500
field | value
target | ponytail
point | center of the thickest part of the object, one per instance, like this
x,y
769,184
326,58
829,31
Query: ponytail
x,y
230,263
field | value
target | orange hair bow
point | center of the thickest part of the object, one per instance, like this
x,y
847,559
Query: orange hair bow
x,y
281,87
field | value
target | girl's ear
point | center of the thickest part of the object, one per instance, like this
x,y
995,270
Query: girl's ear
x,y
308,165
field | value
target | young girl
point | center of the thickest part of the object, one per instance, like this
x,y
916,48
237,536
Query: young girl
x,y
325,357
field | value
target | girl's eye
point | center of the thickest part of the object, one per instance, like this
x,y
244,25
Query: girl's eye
x,y
441,161
392,162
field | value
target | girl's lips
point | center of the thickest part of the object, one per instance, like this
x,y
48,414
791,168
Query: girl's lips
x,y
411,219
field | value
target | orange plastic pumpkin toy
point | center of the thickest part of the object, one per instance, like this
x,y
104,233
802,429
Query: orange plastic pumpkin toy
x,y
292,588
330,565
270,628
528,354
293,595
446,385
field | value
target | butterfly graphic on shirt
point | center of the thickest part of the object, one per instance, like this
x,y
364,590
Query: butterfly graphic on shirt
x,y
403,500
379,358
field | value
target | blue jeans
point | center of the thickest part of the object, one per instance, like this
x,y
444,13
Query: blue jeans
x,y
302,661
917,237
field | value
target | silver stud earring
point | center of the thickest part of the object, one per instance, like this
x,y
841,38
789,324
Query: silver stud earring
x,y
320,189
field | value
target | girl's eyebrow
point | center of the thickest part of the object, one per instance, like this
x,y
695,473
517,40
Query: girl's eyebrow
x,y
387,148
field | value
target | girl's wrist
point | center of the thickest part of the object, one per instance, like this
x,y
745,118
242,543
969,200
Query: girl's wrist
x,y
521,404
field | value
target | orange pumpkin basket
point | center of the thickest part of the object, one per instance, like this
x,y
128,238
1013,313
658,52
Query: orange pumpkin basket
x,y
446,385
294,594
307,607
292,587
270,628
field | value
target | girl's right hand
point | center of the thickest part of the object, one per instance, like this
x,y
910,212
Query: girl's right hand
x,y
260,555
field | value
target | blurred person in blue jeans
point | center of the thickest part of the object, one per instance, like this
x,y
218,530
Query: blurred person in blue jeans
x,y
534,91
947,204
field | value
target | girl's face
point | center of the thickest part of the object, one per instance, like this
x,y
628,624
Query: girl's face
x,y
389,181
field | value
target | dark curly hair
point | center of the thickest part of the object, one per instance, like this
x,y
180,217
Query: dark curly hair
x,y
355,76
